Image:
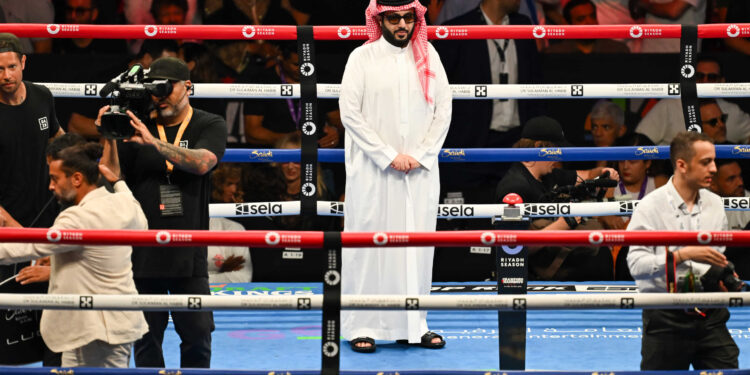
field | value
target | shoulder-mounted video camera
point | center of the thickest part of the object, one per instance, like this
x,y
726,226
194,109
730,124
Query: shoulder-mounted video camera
x,y
587,190
130,91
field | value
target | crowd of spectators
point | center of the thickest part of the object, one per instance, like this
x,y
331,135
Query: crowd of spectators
x,y
475,124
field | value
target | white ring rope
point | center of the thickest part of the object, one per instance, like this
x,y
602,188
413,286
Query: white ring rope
x,y
376,302
546,91
456,211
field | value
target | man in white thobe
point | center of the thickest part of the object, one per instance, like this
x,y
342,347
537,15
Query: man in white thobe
x,y
396,107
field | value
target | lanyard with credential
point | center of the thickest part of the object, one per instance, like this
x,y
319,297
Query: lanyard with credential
x,y
180,131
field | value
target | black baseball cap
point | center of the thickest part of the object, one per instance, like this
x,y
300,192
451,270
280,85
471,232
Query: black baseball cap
x,y
170,68
10,43
543,128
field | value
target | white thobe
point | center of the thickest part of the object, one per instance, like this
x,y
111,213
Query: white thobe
x,y
385,113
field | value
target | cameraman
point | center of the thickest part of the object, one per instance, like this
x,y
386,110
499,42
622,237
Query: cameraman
x,y
533,181
167,164
675,339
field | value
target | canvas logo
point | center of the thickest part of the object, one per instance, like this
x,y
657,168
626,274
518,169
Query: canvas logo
x,y
287,90
480,91
89,90
576,90
673,89
43,123
86,302
337,208
304,304
736,302
184,144
628,206
519,304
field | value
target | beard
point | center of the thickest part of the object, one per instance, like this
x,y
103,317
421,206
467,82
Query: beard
x,y
66,199
391,36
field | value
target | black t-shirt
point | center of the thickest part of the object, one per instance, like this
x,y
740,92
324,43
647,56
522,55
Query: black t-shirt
x,y
277,113
25,130
520,181
145,171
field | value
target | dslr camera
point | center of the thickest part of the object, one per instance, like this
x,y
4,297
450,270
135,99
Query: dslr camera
x,y
130,90
710,280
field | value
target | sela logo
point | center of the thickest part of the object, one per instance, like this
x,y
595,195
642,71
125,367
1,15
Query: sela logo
x,y
636,32
43,123
627,303
541,209
628,206
184,144
576,90
287,90
442,32
248,31
304,304
519,304
734,203
733,31
412,303
194,303
86,302
344,32
89,90
337,208
539,32
673,89
687,71
258,208
480,91
455,211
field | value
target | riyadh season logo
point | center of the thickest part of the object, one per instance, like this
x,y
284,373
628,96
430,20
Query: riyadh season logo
x,y
54,235
488,238
53,28
695,128
248,31
687,71
150,30
539,32
442,32
380,238
273,238
596,238
733,31
636,32
163,237
344,32
308,189
704,238
307,69
309,128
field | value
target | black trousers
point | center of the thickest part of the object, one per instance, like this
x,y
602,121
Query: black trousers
x,y
674,339
194,328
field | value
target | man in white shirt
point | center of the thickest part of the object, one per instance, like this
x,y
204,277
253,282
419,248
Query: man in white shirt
x,y
679,12
665,119
396,107
675,339
87,338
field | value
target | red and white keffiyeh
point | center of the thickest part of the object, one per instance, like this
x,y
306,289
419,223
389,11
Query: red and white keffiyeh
x,y
418,43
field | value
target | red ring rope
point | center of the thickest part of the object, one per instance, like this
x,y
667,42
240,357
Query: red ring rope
x,y
359,33
380,239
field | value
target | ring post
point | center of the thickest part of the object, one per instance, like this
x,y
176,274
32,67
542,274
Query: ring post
x,y
512,278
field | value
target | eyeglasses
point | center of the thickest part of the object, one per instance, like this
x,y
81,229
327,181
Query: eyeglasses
x,y
715,121
395,18
710,77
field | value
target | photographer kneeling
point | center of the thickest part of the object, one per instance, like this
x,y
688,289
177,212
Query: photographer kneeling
x,y
534,181
675,339
168,152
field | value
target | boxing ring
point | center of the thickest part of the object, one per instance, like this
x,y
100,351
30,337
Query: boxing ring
x,y
269,326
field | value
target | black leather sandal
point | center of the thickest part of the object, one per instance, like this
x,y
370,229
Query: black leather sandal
x,y
363,349
426,341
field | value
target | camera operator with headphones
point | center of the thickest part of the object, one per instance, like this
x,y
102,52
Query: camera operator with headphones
x,y
675,339
167,164
534,181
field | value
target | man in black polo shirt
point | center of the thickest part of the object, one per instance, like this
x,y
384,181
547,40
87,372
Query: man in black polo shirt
x,y
27,123
532,180
167,165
